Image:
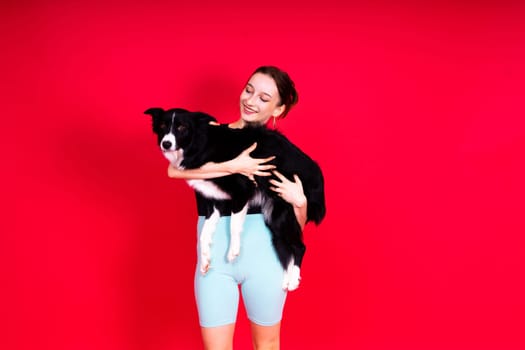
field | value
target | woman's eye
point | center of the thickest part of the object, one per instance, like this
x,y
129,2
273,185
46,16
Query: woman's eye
x,y
264,100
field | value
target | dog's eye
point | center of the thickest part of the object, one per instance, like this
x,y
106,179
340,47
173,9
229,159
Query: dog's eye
x,y
181,128
162,126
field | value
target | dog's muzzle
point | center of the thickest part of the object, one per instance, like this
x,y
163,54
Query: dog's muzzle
x,y
168,143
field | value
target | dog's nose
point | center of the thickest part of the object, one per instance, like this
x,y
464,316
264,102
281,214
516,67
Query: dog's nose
x,y
166,144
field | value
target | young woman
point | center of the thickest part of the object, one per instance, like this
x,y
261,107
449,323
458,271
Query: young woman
x,y
268,95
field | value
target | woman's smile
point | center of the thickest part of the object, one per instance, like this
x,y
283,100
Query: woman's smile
x,y
248,110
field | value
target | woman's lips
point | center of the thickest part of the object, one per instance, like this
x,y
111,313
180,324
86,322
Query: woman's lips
x,y
247,110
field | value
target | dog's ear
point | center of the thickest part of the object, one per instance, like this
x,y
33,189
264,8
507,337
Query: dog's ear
x,y
154,112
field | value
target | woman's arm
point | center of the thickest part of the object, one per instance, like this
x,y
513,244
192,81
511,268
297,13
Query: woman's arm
x,y
242,164
293,193
207,171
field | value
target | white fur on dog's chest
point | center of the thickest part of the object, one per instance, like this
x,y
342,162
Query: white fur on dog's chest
x,y
208,189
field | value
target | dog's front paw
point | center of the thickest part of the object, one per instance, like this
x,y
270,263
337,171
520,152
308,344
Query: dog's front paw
x,y
233,253
205,266
205,261
235,249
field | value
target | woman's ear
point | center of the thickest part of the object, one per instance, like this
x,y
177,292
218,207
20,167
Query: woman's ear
x,y
278,110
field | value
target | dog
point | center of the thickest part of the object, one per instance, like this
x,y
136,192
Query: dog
x,y
191,139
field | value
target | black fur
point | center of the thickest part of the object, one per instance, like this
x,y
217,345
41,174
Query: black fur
x,y
202,143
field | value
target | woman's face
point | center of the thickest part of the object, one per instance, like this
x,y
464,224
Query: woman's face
x,y
260,100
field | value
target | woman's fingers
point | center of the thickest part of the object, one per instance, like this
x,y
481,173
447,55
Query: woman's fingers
x,y
283,178
279,184
266,160
278,187
261,160
254,166
280,176
266,167
251,148
290,191
277,190
298,182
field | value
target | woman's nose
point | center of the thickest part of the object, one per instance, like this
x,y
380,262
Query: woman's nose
x,y
251,100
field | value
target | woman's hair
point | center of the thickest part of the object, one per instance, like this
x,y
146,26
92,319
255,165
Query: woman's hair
x,y
285,86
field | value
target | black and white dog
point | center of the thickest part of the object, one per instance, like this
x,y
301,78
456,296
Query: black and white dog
x,y
191,139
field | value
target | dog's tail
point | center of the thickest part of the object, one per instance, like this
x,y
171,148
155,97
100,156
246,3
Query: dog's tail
x,y
316,210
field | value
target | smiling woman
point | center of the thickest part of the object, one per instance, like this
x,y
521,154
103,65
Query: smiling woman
x,y
414,109
269,93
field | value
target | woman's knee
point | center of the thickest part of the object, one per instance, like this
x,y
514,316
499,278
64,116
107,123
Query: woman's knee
x,y
218,338
266,337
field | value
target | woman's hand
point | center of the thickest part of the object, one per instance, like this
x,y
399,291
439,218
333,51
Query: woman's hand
x,y
246,165
290,191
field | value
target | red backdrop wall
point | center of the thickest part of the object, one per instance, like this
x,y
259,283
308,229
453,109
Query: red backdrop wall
x,y
415,114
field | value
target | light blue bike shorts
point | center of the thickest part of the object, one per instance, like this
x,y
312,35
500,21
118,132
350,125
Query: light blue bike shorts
x,y
257,270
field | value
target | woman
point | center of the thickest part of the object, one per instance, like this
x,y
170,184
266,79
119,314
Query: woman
x,y
269,94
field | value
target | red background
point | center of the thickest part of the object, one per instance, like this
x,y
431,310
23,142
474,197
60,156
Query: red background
x,y
415,114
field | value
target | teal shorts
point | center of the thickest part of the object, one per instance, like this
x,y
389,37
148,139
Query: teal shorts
x,y
256,270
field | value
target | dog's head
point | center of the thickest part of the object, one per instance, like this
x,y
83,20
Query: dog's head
x,y
175,129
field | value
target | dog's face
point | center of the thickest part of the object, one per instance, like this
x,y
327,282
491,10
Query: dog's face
x,y
175,129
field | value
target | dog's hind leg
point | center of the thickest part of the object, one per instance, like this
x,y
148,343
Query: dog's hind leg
x,y
287,240
205,240
236,224
292,274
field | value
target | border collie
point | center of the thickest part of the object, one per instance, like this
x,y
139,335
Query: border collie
x,y
191,139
